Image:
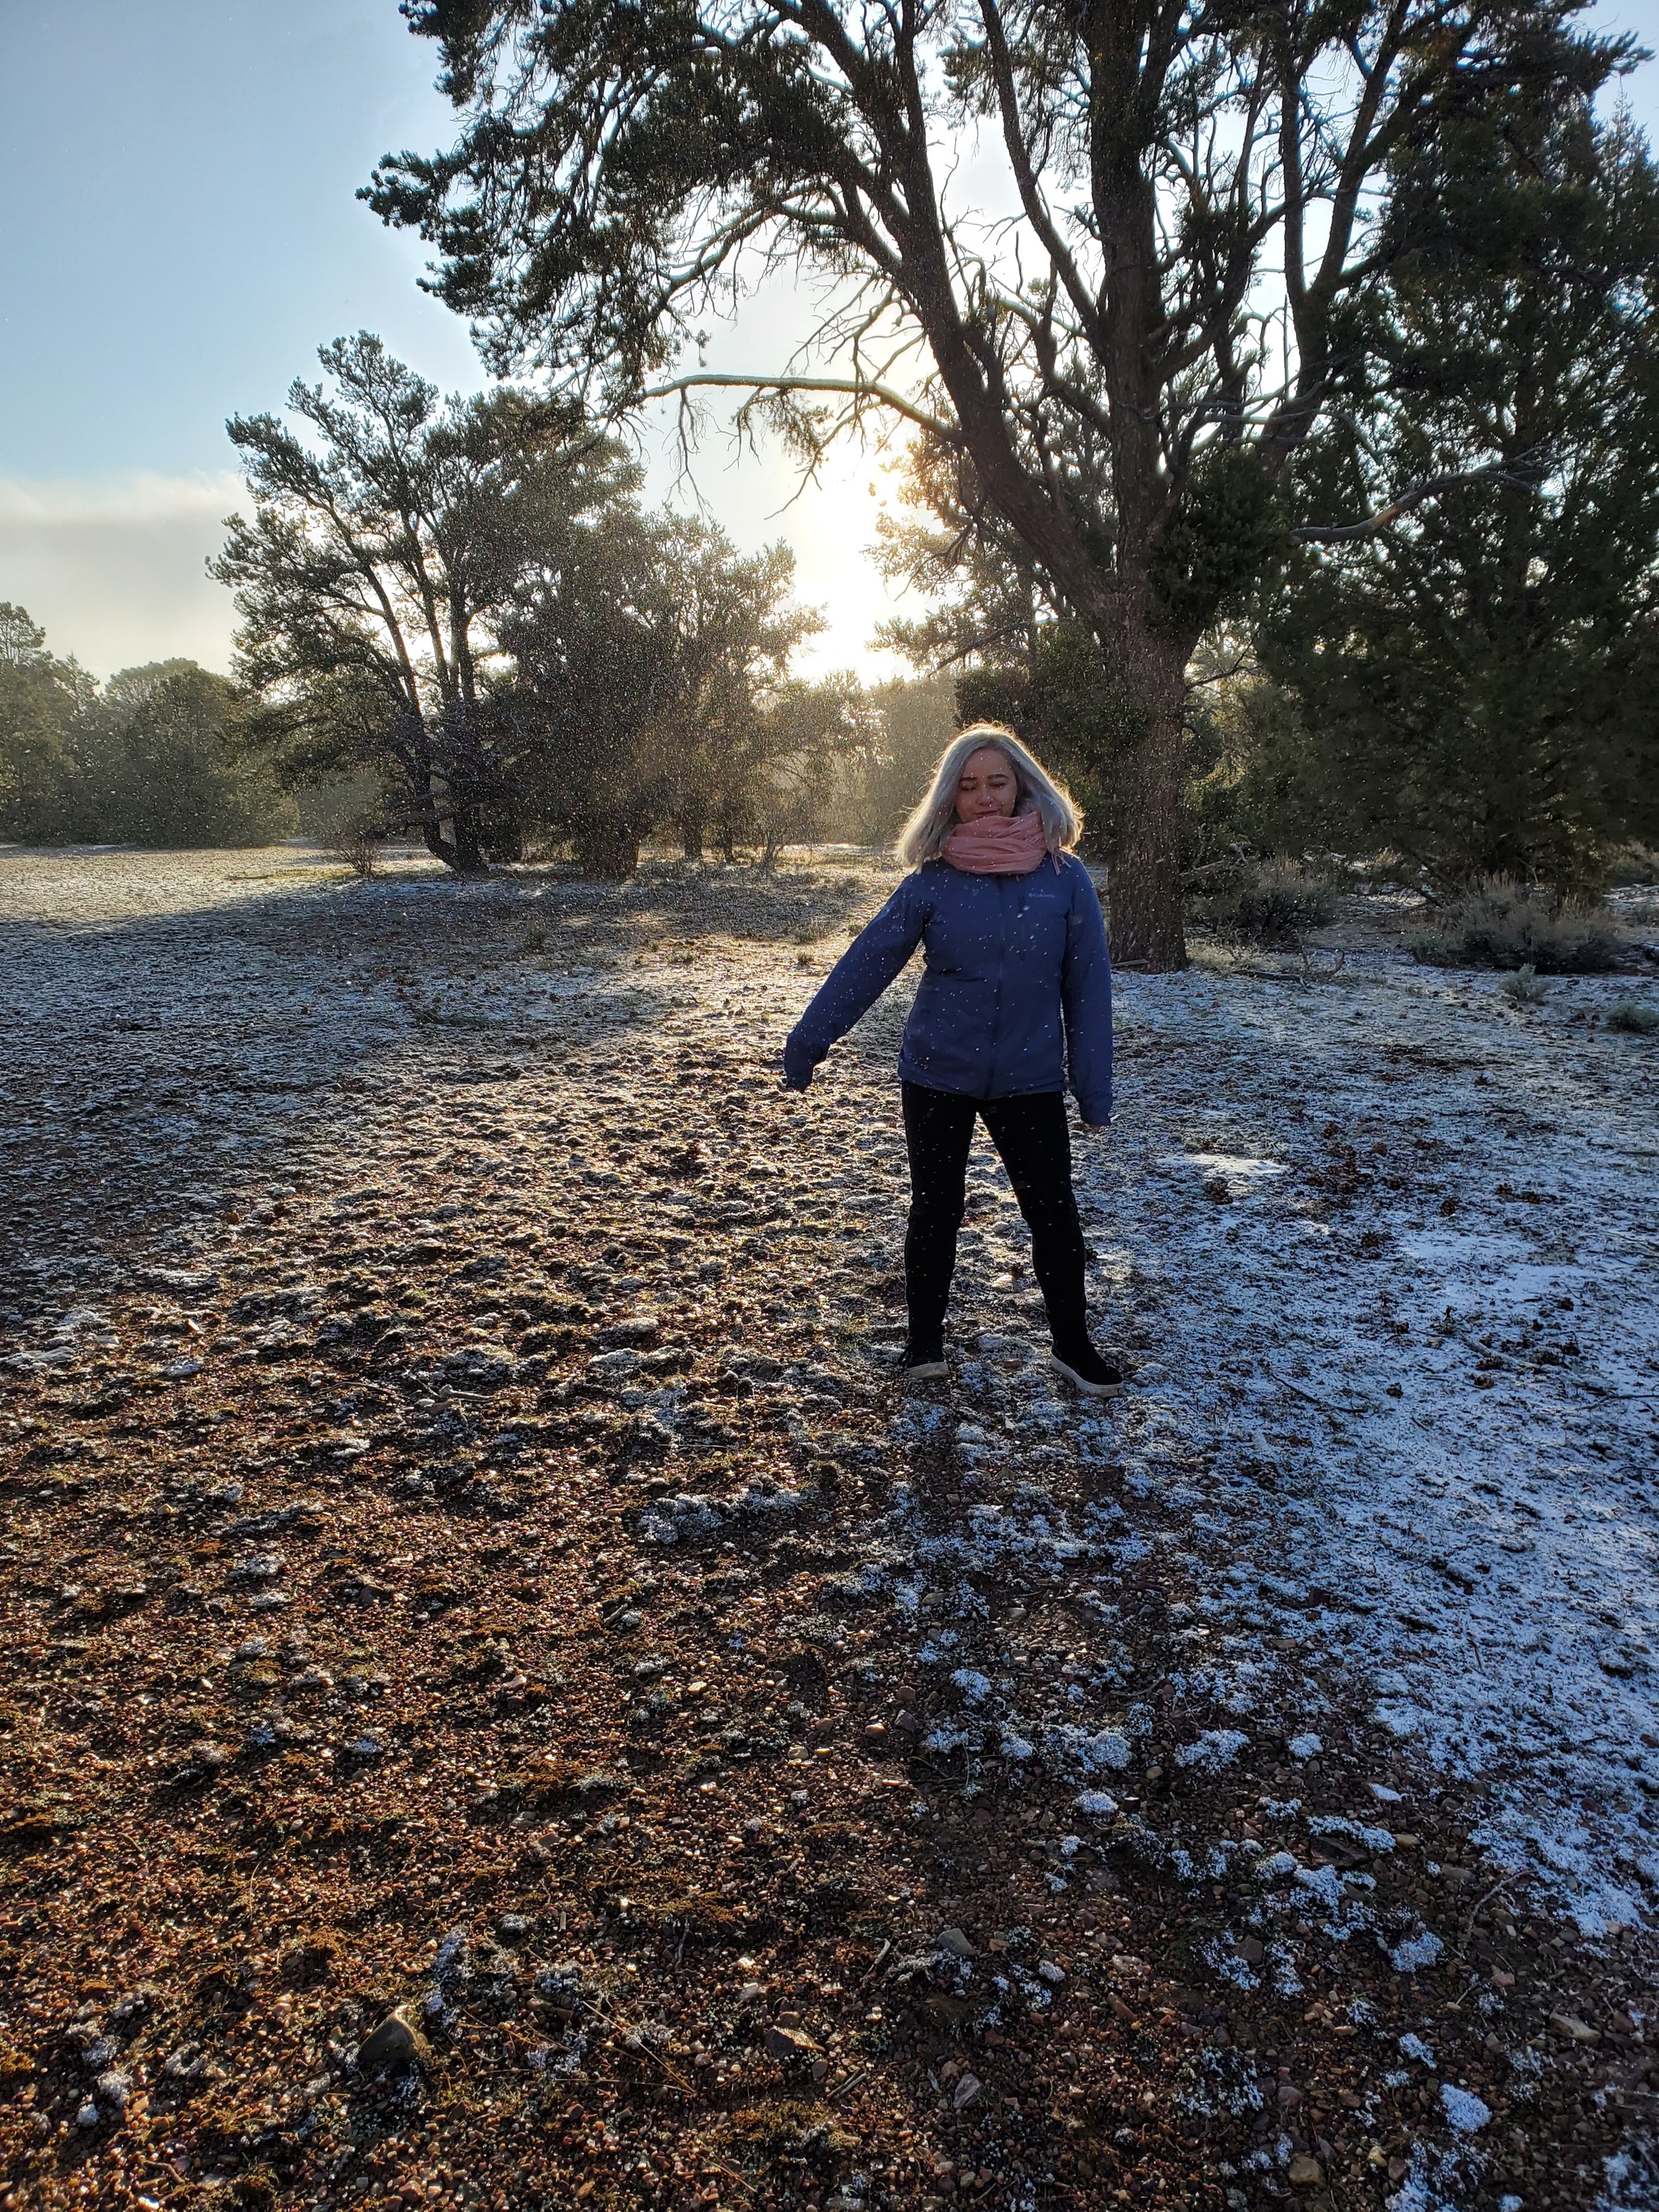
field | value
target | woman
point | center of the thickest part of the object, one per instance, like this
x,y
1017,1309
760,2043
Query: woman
x,y
1015,948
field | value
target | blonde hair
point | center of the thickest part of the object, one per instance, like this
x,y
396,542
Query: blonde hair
x,y
923,837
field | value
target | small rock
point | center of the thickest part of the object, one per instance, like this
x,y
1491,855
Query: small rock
x,y
966,2091
1569,2024
751,1993
260,1567
89,2116
512,1927
1306,2172
114,2089
1054,1975
953,1940
394,2043
790,2043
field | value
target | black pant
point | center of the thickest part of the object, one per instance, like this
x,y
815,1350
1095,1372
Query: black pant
x,y
1036,1147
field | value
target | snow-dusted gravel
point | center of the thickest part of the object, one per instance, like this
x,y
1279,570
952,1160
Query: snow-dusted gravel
x,y
1379,1247
1384,1248
1393,1239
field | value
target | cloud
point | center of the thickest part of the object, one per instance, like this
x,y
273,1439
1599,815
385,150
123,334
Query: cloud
x,y
113,567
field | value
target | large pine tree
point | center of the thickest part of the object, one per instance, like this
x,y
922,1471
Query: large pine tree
x,y
1480,680
1129,352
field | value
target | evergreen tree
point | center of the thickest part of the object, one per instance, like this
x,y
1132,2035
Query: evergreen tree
x,y
1099,354
1479,679
41,699
373,575
161,767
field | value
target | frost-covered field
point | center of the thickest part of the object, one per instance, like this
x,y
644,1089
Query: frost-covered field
x,y
1382,1247
1355,1586
1394,1239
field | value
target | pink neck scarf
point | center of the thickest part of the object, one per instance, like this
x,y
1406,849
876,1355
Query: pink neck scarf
x,y
997,845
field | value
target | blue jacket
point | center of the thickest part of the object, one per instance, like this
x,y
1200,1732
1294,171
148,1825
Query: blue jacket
x,y
1007,958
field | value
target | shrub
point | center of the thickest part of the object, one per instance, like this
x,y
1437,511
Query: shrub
x,y
1524,987
1274,903
358,844
1633,1016
1507,925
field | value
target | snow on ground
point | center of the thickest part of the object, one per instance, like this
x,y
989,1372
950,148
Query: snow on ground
x,y
1381,1248
1395,1237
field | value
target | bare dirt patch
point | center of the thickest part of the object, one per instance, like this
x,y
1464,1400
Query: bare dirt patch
x,y
505,1702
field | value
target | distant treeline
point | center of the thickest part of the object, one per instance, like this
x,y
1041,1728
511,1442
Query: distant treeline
x,y
145,759
168,757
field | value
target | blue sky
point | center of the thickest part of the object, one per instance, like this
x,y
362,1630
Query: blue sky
x,y
180,234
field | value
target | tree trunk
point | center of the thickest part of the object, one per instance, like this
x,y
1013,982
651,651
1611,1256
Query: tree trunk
x,y
461,853
1144,854
467,855
607,846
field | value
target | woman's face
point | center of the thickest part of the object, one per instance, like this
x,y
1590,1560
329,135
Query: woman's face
x,y
986,785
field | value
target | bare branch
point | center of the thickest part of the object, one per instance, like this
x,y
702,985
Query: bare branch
x,y
1526,473
855,387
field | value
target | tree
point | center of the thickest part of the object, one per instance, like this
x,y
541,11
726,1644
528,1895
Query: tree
x,y
991,594
641,646
42,701
150,759
160,766
23,642
737,729
810,738
918,718
373,573
1115,360
1478,683
591,644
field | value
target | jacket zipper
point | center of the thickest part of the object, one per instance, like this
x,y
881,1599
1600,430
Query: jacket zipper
x,y
1003,883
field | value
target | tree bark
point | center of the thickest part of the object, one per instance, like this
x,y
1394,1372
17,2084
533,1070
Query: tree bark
x,y
468,855
1144,854
461,851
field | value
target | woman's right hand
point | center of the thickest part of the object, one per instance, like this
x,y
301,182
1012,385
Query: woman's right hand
x,y
797,1068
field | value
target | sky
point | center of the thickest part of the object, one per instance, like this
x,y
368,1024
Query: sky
x,y
181,234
